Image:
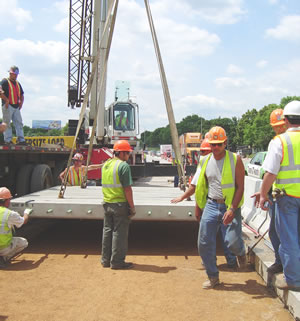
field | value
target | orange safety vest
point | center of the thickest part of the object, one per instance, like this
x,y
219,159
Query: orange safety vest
x,y
14,92
75,179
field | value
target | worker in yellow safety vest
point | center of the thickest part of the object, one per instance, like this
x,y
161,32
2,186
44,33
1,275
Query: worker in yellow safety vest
x,y
121,121
77,171
278,124
219,192
282,166
10,246
118,207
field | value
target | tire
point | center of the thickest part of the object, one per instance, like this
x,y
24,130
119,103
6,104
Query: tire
x,y
41,178
24,180
59,167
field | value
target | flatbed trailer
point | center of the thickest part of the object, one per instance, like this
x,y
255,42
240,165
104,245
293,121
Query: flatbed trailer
x,y
152,198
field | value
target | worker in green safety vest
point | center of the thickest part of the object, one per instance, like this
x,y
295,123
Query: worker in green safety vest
x,y
282,166
118,207
10,246
121,121
219,192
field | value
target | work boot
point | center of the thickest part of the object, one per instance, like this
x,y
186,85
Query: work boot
x,y
211,283
123,266
282,285
22,143
242,261
275,268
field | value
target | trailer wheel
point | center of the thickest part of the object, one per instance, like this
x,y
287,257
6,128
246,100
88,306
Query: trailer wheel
x,y
59,167
24,179
41,178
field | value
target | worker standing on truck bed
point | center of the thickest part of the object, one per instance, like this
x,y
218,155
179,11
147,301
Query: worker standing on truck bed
x,y
278,124
76,172
282,166
9,245
12,95
205,149
219,191
118,207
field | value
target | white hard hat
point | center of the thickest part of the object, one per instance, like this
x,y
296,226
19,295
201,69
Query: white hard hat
x,y
292,108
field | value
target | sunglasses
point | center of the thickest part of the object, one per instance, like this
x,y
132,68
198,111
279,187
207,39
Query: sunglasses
x,y
216,144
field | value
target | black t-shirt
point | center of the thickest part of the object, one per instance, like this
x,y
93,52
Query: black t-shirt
x,y
5,88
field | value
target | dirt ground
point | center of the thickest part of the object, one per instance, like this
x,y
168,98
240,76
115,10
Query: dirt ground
x,y
59,277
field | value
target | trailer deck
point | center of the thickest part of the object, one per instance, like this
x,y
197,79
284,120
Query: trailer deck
x,y
152,198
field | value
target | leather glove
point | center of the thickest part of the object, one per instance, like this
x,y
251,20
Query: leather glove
x,y
132,212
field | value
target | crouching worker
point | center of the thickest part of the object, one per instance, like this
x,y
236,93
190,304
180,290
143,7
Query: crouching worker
x,y
9,246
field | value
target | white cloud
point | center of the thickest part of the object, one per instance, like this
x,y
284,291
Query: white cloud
x,y
62,26
273,1
13,15
62,6
261,63
233,69
201,100
288,29
49,52
218,11
227,82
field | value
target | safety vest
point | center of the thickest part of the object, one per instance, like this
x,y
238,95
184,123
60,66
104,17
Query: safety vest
x,y
289,172
75,179
227,181
14,92
5,231
121,122
112,189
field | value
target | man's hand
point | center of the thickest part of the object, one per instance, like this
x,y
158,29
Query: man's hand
x,y
257,198
132,212
264,203
228,217
198,213
176,200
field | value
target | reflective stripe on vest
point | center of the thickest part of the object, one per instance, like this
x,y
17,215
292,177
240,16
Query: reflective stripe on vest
x,y
5,231
289,172
14,92
73,178
112,189
227,181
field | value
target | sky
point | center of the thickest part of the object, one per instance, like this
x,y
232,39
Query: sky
x,y
221,57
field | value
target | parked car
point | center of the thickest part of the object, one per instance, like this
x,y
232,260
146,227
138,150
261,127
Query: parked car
x,y
254,167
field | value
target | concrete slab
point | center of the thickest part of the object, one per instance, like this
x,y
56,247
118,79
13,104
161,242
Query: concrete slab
x,y
152,198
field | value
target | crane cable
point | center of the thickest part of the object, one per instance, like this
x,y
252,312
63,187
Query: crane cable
x,y
85,102
113,20
168,102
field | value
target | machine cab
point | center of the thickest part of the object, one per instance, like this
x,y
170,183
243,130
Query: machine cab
x,y
122,119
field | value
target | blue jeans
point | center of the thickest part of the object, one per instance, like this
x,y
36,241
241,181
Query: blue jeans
x,y
230,257
210,222
14,115
273,234
115,233
288,228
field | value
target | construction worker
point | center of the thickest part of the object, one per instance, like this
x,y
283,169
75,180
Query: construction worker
x,y
118,207
205,149
10,246
121,121
12,95
77,171
278,124
282,166
219,191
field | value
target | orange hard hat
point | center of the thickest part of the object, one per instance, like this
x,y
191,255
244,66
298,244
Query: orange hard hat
x,y
78,157
277,118
216,135
122,146
205,145
5,193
